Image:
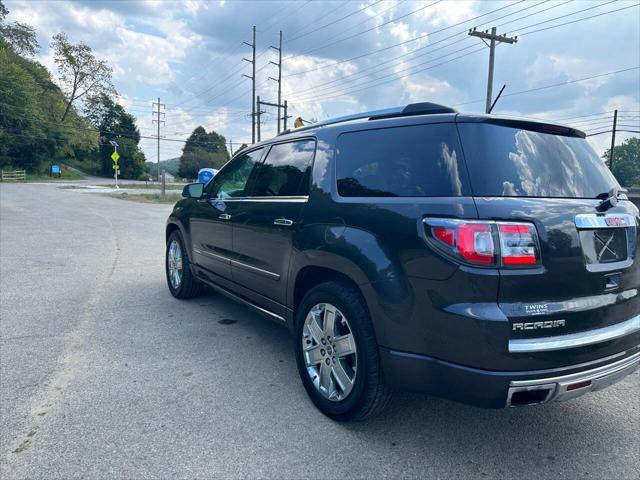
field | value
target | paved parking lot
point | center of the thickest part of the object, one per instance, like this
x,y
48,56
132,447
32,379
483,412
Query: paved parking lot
x,y
103,374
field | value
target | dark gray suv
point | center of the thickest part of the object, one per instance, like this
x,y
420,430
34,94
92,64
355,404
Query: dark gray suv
x,y
484,259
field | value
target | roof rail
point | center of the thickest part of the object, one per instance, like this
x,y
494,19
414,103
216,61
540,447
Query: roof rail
x,y
424,108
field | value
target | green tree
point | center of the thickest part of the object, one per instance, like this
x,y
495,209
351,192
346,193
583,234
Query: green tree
x,y
81,74
626,162
202,150
29,137
115,124
20,36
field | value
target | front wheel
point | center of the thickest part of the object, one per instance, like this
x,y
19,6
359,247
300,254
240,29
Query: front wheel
x,y
337,353
181,282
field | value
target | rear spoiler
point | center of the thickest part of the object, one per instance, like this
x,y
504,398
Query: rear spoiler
x,y
534,126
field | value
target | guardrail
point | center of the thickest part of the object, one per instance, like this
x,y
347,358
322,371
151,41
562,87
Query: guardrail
x,y
13,175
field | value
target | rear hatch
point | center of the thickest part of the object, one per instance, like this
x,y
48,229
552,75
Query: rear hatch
x,y
587,278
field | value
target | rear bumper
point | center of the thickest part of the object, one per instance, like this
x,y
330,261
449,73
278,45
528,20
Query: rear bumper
x,y
499,389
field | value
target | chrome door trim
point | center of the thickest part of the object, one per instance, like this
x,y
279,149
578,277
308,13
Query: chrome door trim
x,y
251,268
574,340
213,255
236,263
292,199
608,220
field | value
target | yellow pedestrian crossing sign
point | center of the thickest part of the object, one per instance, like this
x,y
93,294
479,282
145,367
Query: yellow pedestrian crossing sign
x,y
116,167
115,157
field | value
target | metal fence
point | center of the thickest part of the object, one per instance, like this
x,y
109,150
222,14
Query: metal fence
x,y
13,175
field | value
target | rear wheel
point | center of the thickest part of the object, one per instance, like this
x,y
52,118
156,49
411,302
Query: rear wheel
x,y
337,353
181,282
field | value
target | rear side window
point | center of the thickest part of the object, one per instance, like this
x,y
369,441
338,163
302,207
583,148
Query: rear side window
x,y
512,162
285,171
414,161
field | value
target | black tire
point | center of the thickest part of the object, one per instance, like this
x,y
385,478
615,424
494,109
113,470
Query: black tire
x,y
370,393
189,286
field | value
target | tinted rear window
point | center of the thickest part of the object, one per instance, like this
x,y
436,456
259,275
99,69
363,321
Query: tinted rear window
x,y
285,171
414,161
512,162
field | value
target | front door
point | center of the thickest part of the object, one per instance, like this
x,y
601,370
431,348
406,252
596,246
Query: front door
x,y
265,223
211,229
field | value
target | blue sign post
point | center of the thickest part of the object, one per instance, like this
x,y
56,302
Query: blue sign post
x,y
55,170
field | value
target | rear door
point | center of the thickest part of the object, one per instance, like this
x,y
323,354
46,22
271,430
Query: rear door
x,y
589,276
265,221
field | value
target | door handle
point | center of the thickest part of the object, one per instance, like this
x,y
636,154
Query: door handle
x,y
224,216
285,222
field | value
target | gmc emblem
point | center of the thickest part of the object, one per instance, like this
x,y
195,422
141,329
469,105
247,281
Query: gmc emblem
x,y
615,221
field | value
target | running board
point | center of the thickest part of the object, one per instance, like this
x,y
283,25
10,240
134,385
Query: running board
x,y
244,301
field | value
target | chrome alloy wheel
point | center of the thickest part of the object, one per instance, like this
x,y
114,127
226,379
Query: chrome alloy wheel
x,y
329,351
174,260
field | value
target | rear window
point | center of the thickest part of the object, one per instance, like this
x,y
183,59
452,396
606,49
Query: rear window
x,y
414,161
285,171
512,162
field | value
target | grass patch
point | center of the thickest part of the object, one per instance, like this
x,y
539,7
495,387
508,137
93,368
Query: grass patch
x,y
152,186
146,197
67,174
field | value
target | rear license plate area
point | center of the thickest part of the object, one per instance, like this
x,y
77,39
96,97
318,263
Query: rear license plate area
x,y
604,245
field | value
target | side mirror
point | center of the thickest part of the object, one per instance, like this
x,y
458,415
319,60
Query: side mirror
x,y
193,190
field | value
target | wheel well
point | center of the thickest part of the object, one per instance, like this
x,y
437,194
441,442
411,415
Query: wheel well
x,y
170,229
311,276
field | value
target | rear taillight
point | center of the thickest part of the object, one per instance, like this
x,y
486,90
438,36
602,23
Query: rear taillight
x,y
518,243
503,244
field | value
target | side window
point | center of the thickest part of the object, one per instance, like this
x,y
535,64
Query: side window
x,y
414,161
285,172
232,180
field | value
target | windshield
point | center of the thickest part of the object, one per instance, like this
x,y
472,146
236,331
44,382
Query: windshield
x,y
513,162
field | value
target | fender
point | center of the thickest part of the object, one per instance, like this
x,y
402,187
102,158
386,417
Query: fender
x,y
359,255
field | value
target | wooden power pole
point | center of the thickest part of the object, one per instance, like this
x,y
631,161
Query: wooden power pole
x,y
493,38
613,138
253,83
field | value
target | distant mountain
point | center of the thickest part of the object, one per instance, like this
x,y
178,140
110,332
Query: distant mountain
x,y
170,166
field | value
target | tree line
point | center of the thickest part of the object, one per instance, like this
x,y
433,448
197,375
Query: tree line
x,y
71,120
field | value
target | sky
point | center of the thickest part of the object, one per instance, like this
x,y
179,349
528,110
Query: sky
x,y
347,56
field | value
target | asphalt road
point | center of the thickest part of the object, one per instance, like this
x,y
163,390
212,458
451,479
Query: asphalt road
x,y
104,374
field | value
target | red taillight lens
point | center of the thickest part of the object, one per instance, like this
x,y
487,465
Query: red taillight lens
x,y
475,243
518,244
446,235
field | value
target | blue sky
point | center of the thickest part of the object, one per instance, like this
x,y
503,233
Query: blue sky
x,y
345,56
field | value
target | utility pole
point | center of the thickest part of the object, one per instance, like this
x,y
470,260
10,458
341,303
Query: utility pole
x,y
158,120
613,138
231,146
253,83
285,115
258,113
279,79
493,38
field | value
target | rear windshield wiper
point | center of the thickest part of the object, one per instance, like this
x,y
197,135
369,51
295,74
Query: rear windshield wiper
x,y
609,199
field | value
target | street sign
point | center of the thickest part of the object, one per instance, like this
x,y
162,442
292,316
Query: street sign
x,y
55,169
115,157
116,166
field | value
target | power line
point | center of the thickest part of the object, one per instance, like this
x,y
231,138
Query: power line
x,y
335,21
556,84
335,42
420,37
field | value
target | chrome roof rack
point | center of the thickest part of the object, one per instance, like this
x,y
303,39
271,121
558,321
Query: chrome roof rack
x,y
424,108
